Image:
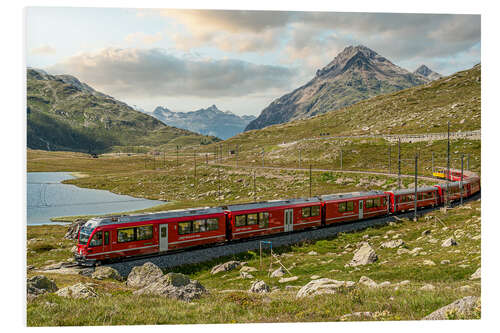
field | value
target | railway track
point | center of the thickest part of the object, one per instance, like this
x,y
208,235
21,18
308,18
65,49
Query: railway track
x,y
198,255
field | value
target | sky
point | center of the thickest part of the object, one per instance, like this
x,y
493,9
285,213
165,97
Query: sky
x,y
240,61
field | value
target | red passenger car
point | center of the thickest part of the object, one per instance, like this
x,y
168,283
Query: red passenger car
x,y
450,191
270,217
354,206
403,200
124,236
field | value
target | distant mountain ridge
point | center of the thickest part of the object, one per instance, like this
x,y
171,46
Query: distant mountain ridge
x,y
208,121
427,73
64,113
356,73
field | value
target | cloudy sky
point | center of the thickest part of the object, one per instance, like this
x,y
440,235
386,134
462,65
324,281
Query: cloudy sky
x,y
239,60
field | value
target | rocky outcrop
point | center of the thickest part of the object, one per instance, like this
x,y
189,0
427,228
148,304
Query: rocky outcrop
x,y
449,242
392,244
79,290
74,229
278,273
323,286
476,275
248,269
38,285
225,267
259,287
288,279
461,307
174,285
427,73
144,275
366,281
363,256
104,272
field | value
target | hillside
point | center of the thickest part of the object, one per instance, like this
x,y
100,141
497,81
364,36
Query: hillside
x,y
66,114
355,74
209,121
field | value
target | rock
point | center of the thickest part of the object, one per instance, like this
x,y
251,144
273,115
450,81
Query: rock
x,y
402,251
476,275
245,275
460,307
39,284
225,267
363,256
366,281
429,262
313,253
288,279
105,272
315,277
384,284
426,232
416,250
259,287
432,240
78,290
323,286
404,282
449,242
465,288
144,275
278,273
366,236
248,269
88,271
427,287
174,285
445,262
392,244
74,229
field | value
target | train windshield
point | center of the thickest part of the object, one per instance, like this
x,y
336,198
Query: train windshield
x,y
85,233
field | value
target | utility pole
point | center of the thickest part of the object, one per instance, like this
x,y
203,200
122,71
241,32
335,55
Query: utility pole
x,y
448,164
177,150
310,180
416,185
254,187
399,163
218,176
389,158
236,156
432,165
164,163
341,159
462,182
154,160
300,158
262,157
468,158
206,158
195,179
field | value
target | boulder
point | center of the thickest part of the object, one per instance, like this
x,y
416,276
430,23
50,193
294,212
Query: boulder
x,y
259,287
78,290
392,244
366,281
315,277
279,272
476,275
225,267
445,262
313,253
288,279
429,262
248,269
449,242
105,272
174,285
74,229
402,251
245,275
462,307
427,287
144,275
323,286
363,256
38,285
426,232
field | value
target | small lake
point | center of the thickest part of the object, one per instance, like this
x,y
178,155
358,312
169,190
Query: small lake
x,y
47,198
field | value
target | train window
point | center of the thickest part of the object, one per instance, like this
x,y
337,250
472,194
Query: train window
x,y
96,239
212,224
125,235
106,238
314,211
342,207
376,202
252,219
350,206
144,232
263,219
369,203
185,227
199,226
240,220
306,212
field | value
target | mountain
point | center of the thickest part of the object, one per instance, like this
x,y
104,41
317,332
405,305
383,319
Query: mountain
x,y
355,74
209,121
66,114
427,73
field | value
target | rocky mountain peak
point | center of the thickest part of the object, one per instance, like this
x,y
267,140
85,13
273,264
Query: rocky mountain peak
x,y
428,73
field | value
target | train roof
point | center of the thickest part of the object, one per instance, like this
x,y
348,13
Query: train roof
x,y
350,195
412,190
271,203
110,220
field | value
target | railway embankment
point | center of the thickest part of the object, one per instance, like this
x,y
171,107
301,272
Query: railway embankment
x,y
404,270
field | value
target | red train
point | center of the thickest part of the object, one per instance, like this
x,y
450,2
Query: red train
x,y
115,237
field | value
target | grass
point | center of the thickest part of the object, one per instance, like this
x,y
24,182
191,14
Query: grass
x,y
228,301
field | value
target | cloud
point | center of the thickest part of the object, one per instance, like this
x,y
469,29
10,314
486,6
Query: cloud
x,y
43,50
144,38
155,72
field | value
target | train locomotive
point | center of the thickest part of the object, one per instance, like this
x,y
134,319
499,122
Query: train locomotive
x,y
116,237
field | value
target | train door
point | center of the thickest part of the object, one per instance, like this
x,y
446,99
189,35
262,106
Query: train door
x,y
360,206
106,247
288,220
163,237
